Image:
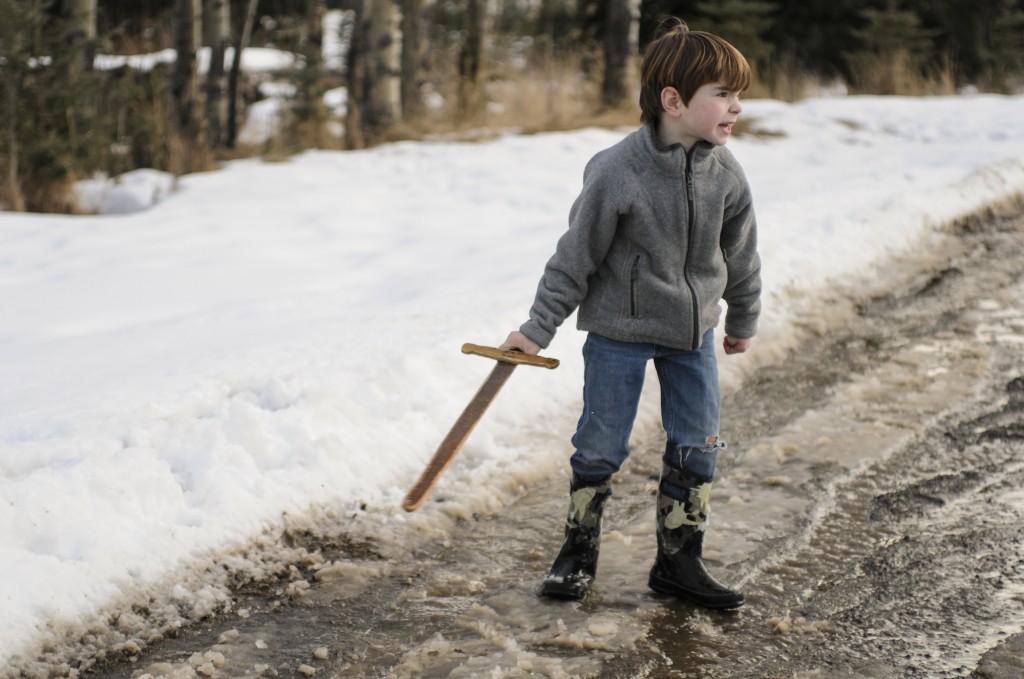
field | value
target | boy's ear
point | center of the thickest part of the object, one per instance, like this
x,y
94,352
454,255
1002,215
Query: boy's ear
x,y
672,101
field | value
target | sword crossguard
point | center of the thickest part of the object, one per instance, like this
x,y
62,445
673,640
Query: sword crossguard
x,y
508,356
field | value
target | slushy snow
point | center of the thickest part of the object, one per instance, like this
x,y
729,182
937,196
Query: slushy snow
x,y
272,340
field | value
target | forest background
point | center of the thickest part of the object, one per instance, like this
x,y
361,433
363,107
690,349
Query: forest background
x,y
370,71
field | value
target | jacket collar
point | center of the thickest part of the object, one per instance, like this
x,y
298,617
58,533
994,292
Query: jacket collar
x,y
671,159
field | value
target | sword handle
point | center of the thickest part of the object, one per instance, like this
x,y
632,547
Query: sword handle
x,y
506,356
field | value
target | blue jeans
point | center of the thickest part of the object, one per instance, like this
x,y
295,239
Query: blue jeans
x,y
612,381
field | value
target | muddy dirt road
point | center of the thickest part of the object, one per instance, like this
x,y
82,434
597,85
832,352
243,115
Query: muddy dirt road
x,y
870,506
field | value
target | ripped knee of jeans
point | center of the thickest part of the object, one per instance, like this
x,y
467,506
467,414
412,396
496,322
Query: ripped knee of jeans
x,y
697,460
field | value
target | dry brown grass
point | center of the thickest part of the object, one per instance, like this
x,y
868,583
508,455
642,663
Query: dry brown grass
x,y
554,94
897,74
784,81
557,94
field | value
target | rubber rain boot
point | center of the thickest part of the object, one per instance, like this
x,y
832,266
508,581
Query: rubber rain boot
x,y
683,501
575,567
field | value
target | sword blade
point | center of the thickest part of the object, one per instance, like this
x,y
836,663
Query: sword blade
x,y
457,436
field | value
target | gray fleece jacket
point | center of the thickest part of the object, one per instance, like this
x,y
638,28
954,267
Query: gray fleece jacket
x,y
656,238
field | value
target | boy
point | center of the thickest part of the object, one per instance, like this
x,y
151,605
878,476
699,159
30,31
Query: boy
x,y
662,231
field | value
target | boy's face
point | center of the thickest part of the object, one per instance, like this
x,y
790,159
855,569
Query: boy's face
x,y
710,115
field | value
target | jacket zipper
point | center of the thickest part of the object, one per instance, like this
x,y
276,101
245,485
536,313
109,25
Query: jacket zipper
x,y
691,215
634,278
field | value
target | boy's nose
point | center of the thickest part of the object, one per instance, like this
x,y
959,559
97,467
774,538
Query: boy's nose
x,y
736,106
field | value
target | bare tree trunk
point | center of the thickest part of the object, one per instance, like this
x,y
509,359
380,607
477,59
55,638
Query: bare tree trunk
x,y
81,15
311,112
356,77
217,36
17,36
185,86
314,21
621,28
471,58
17,200
236,67
374,71
412,55
385,42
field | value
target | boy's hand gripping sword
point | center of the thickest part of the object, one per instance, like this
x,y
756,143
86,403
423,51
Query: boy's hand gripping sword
x,y
460,431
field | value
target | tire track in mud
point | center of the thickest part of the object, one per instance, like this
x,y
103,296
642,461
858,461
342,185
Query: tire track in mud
x,y
871,512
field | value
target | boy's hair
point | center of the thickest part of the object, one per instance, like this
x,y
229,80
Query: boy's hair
x,y
687,60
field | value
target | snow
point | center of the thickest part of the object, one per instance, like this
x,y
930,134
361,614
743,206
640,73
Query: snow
x,y
210,355
254,59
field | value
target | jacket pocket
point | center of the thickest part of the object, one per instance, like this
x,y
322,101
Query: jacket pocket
x,y
634,284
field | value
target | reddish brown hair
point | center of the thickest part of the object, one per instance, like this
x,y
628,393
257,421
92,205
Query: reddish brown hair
x,y
687,60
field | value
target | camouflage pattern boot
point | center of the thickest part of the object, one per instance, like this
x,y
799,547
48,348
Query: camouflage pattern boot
x,y
576,564
683,502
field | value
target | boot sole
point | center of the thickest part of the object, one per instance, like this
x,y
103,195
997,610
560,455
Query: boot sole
x,y
723,604
566,591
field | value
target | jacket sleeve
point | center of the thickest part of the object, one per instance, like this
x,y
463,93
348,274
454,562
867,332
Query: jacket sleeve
x,y
593,220
743,263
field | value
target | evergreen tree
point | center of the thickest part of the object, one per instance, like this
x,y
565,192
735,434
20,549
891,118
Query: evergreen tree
x,y
558,21
744,23
895,47
816,34
984,40
654,12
